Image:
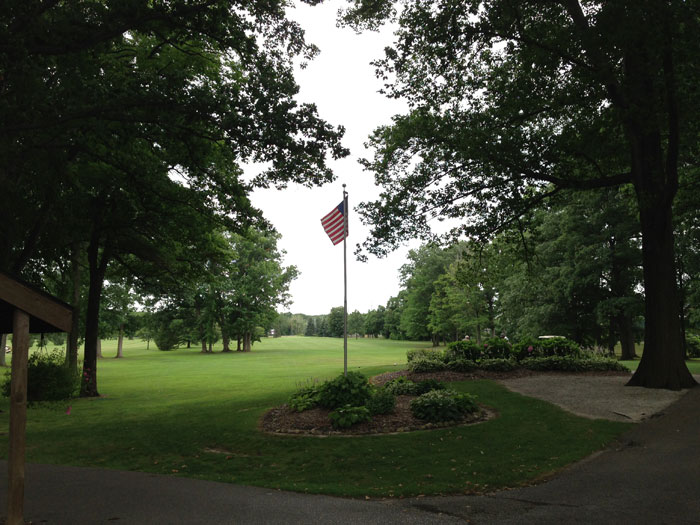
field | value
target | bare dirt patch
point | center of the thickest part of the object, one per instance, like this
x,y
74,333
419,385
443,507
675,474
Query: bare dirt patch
x,y
595,396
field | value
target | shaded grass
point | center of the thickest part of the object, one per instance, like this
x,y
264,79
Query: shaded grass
x,y
186,413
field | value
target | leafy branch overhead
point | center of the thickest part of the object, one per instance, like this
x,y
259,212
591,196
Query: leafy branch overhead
x,y
513,102
125,125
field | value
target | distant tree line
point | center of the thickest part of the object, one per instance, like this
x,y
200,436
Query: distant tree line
x,y
370,324
571,268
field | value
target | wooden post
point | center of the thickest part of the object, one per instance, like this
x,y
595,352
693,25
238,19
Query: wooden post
x,y
18,417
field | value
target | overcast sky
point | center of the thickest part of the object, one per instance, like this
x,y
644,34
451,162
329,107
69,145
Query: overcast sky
x,y
341,82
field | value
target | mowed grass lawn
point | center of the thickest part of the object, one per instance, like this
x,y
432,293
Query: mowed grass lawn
x,y
693,364
191,414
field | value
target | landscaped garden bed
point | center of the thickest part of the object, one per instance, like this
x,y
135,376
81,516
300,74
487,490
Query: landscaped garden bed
x,y
316,421
351,405
418,399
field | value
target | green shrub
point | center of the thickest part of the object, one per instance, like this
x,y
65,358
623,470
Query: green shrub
x,y
556,346
493,348
48,378
573,364
304,399
498,365
400,386
462,365
497,348
353,390
560,346
404,387
463,350
426,365
427,385
382,401
347,416
527,347
425,353
166,339
692,344
443,405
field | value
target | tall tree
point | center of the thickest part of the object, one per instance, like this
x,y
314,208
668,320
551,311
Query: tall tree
x,y
260,281
118,118
356,324
374,322
392,317
418,276
512,102
335,322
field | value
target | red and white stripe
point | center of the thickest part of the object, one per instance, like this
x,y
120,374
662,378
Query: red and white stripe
x,y
333,224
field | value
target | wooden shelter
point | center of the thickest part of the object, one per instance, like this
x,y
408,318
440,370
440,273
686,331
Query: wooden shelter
x,y
24,310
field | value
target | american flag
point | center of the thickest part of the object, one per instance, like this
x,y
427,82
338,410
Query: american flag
x,y
333,224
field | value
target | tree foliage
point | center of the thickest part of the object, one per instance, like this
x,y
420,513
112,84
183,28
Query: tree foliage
x,y
124,125
513,102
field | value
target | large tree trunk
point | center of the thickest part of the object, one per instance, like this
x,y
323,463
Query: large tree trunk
x,y
246,342
120,342
227,340
662,364
204,346
681,307
72,343
3,344
98,268
654,155
624,325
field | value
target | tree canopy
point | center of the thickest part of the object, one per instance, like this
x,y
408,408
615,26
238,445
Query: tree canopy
x,y
513,102
124,127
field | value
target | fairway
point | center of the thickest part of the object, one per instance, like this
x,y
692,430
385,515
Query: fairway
x,y
192,414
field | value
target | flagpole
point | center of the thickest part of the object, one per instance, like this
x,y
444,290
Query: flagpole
x,y
345,283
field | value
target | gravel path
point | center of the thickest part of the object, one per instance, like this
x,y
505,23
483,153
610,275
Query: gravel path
x,y
596,397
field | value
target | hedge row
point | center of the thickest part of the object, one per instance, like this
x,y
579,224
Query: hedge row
x,y
563,363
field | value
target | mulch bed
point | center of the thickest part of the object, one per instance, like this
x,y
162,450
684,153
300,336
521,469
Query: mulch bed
x,y
315,422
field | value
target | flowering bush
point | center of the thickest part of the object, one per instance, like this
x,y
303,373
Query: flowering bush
x,y
496,348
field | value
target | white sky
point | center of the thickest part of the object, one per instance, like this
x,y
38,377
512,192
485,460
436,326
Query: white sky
x,y
341,82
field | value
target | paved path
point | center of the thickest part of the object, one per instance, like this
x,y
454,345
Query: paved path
x,y
652,476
